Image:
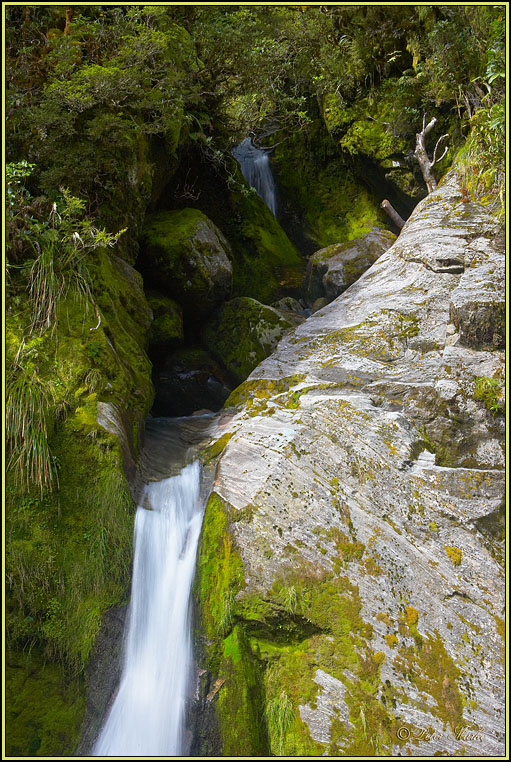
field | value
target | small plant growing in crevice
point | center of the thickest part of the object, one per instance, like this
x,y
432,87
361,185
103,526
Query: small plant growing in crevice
x,y
226,610
489,392
290,599
279,713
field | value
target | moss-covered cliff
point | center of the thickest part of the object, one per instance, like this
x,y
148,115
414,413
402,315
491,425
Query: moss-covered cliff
x,y
80,393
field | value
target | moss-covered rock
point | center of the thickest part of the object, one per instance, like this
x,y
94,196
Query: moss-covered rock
x,y
331,270
243,332
43,711
183,252
335,205
265,263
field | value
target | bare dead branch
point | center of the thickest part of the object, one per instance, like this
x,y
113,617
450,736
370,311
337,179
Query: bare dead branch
x,y
421,154
434,160
394,216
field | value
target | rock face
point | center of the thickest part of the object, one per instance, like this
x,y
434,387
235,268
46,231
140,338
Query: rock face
x,y
350,574
331,270
185,254
243,332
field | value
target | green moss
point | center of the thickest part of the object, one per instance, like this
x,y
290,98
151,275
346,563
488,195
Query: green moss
x,y
411,615
409,326
255,394
239,704
219,578
167,326
489,392
218,446
336,205
265,262
183,252
219,570
392,640
428,665
43,711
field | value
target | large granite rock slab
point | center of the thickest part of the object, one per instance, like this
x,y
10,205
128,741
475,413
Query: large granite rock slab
x,y
353,540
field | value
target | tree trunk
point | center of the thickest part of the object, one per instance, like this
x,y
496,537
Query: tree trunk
x,y
70,12
426,164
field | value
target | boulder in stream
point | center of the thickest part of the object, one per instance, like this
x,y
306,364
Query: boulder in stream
x,y
331,270
243,332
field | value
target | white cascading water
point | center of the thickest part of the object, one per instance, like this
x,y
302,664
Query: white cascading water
x,y
147,716
256,169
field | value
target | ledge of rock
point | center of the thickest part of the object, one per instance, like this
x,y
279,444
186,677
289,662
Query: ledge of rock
x,y
356,477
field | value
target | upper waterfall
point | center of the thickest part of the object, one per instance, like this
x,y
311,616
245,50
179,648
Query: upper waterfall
x,y
256,169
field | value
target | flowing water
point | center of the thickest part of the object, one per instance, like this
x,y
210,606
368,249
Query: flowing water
x,y
148,713
256,169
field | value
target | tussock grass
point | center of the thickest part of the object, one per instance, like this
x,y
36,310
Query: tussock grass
x,y
28,415
279,713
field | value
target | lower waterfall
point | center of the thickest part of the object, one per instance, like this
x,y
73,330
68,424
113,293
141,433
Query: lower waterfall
x,y
147,715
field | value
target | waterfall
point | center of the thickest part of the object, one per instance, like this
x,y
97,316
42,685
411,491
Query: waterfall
x,y
147,715
256,170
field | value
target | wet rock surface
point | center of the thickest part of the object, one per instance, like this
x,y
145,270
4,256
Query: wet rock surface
x,y
361,483
188,380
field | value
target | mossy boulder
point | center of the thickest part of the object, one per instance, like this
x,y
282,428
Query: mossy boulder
x,y
185,253
266,264
243,332
331,270
166,332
